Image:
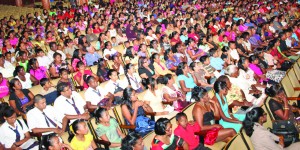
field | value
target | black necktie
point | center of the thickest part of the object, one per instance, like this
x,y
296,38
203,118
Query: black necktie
x,y
17,133
75,107
50,120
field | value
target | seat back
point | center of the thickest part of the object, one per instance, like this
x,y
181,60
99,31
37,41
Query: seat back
x,y
268,110
54,81
65,137
267,124
147,139
188,110
297,70
119,117
5,99
36,89
236,143
288,87
293,78
247,139
94,69
174,123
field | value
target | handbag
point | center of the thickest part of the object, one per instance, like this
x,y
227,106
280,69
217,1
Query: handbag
x,y
287,129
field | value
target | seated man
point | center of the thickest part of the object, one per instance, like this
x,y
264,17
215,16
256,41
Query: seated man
x,y
70,104
44,119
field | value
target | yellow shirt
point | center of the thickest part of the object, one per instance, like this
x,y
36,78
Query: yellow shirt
x,y
82,145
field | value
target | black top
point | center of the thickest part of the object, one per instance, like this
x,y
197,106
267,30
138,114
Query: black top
x,y
207,117
274,106
146,71
283,46
18,101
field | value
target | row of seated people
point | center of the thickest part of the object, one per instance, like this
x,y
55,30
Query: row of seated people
x,y
217,102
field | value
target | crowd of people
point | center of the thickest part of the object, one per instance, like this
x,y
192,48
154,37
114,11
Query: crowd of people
x,y
171,52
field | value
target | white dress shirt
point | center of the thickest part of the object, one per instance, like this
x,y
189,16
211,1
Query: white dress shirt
x,y
112,86
50,55
8,69
109,52
36,119
63,105
8,136
26,84
92,95
135,81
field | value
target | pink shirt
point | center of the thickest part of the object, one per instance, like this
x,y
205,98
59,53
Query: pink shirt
x,y
78,75
39,73
4,90
75,61
14,41
187,134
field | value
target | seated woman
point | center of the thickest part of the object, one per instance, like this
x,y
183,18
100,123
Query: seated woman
x,y
108,51
204,113
164,138
36,70
185,80
133,141
115,86
77,56
4,86
261,137
117,64
14,132
79,136
82,72
64,77
153,97
257,70
21,100
171,93
279,106
26,79
254,95
108,129
134,110
201,75
52,142
227,120
172,60
58,64
131,56
133,79
96,96
159,67
146,70
102,70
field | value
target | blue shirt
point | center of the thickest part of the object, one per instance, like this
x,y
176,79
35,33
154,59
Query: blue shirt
x,y
91,58
217,63
183,38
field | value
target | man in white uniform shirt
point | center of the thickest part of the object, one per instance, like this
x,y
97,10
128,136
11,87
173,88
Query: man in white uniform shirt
x,y
44,119
70,104
97,96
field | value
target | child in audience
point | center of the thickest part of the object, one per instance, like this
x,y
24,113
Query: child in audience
x,y
23,60
64,77
186,130
80,138
42,59
48,91
108,129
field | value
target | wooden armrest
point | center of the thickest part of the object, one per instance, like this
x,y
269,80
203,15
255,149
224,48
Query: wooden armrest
x,y
150,113
207,77
132,127
297,88
79,87
102,142
38,135
201,133
293,98
167,103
